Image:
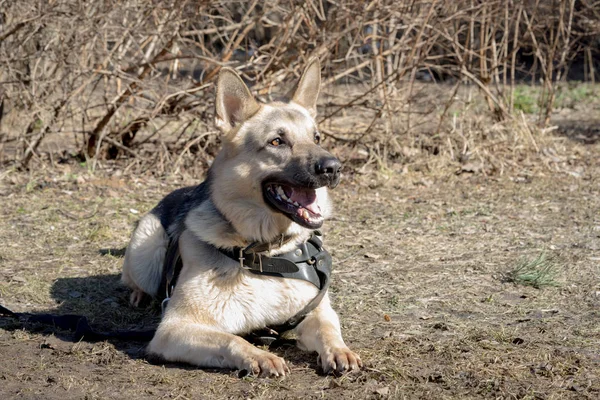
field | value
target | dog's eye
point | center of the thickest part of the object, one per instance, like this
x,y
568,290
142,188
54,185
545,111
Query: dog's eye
x,y
317,138
276,142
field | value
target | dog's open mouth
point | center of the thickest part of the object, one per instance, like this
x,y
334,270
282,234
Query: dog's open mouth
x,y
298,203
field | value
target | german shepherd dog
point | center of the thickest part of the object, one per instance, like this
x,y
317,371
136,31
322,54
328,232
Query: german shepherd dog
x,y
267,185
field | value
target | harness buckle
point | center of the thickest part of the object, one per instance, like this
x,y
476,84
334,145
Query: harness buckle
x,y
242,258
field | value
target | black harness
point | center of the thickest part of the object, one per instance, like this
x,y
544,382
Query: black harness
x,y
309,261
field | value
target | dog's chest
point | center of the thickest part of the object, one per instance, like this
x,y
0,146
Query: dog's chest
x,y
259,301
246,302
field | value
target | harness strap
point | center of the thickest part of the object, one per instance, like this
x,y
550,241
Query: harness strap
x,y
323,268
172,266
299,263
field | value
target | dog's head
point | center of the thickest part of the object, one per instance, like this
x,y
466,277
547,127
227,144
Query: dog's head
x,y
272,171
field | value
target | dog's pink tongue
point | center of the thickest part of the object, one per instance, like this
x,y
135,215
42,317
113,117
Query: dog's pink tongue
x,y
307,198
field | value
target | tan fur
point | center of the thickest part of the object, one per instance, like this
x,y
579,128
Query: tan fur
x,y
215,300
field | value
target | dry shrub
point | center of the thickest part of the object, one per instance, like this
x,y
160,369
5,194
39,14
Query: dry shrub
x,y
132,80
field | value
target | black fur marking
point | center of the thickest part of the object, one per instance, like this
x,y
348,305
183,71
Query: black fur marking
x,y
174,208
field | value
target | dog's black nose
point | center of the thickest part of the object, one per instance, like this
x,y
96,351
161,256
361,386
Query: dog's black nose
x,y
329,167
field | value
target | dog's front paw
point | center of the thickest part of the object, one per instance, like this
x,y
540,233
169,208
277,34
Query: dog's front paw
x,y
265,364
339,360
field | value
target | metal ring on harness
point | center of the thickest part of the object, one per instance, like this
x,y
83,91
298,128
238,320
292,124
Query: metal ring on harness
x,y
163,305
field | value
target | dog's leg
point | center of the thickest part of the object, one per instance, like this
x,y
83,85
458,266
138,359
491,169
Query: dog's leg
x,y
320,332
206,346
142,268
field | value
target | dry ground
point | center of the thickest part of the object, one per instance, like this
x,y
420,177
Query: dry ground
x,y
421,264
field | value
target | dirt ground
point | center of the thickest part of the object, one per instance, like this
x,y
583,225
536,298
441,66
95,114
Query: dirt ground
x,y
421,283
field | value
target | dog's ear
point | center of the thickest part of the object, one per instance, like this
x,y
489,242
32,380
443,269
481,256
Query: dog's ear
x,y
234,103
307,91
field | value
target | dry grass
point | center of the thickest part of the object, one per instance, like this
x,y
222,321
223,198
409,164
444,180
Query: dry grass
x,y
133,80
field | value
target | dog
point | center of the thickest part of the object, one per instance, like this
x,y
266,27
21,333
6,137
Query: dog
x,y
266,189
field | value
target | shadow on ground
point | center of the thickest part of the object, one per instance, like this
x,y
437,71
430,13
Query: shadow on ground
x,y
585,132
91,309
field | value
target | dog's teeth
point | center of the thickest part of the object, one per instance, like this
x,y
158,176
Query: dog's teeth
x,y
282,193
296,204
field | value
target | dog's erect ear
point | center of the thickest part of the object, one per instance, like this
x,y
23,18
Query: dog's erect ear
x,y
234,103
307,91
